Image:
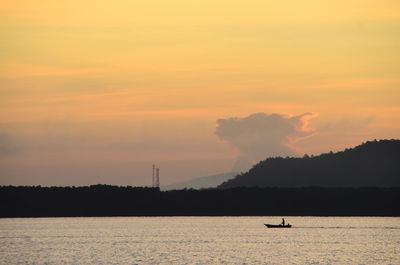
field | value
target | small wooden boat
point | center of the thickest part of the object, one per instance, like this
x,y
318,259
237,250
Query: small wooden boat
x,y
278,226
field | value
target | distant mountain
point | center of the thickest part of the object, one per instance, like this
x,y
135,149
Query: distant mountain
x,y
375,163
201,182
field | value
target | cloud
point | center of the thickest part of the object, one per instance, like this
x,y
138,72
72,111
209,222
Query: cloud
x,y
262,135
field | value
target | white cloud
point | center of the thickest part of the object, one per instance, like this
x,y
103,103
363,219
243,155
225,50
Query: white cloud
x,y
262,135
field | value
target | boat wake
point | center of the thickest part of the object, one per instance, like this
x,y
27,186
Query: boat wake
x,y
345,227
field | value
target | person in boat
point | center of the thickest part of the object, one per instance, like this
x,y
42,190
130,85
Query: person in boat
x,y
283,221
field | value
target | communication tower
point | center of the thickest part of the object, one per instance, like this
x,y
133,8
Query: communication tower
x,y
157,178
153,180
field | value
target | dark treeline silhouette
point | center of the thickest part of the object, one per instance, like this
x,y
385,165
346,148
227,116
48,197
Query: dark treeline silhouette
x,y
372,164
105,200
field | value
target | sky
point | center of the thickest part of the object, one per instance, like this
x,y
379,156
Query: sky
x,y
97,91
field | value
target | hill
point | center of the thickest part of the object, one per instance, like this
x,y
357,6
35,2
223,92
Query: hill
x,y
201,182
371,164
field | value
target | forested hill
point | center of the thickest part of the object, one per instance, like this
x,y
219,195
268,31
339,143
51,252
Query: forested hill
x,y
371,164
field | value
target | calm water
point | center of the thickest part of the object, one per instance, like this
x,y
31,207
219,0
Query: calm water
x,y
199,240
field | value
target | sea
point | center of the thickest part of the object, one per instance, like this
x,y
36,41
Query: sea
x,y
200,240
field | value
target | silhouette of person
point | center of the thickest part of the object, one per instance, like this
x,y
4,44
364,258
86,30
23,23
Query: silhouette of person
x,y
283,221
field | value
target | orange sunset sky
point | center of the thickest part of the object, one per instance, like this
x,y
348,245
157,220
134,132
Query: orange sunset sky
x,y
96,91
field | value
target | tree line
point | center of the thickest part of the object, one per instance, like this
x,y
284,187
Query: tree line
x,y
107,200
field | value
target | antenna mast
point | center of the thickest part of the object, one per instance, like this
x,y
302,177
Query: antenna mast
x,y
153,180
157,178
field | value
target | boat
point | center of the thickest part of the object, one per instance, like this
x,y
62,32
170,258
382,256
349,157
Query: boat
x,y
278,226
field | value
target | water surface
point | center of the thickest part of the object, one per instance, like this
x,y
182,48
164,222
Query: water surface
x,y
199,240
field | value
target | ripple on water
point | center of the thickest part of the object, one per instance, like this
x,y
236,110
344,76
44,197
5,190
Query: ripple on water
x,y
199,240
